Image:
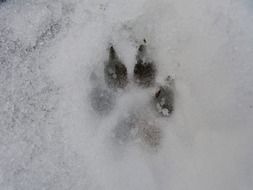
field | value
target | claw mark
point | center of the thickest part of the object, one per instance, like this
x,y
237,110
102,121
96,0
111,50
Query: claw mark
x,y
115,71
164,98
144,70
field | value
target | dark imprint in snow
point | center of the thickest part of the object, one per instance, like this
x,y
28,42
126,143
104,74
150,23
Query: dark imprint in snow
x,y
115,76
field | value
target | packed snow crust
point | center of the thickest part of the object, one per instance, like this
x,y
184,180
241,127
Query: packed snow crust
x,y
51,138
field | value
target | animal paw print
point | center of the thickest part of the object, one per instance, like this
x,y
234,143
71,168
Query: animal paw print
x,y
134,125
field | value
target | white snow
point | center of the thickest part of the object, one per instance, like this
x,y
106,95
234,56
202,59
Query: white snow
x,y
50,138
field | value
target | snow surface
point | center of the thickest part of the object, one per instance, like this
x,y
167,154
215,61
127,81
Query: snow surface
x,y
50,138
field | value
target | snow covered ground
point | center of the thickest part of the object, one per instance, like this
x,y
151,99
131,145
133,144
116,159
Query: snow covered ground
x,y
50,138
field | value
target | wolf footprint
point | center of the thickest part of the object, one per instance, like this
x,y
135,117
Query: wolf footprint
x,y
136,125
